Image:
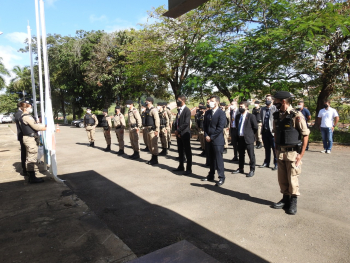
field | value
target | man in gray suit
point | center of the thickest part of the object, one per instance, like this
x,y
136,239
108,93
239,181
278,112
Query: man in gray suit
x,y
266,114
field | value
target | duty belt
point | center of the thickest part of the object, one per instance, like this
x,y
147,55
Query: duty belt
x,y
162,126
32,135
287,149
133,125
118,127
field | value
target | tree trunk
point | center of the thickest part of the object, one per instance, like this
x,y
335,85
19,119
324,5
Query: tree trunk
x,y
176,88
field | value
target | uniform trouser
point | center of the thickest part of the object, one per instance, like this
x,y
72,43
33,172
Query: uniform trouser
x,y
120,136
184,147
234,139
242,146
269,144
107,134
288,173
258,137
216,160
152,140
168,130
134,139
202,139
225,131
32,152
90,133
23,153
163,137
145,136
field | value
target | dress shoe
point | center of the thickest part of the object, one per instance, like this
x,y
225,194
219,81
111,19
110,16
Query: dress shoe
x,y
250,174
293,206
179,169
220,183
202,153
225,151
275,167
238,171
283,203
188,172
264,165
235,159
207,179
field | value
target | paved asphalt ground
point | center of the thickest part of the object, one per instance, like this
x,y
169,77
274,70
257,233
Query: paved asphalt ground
x,y
149,208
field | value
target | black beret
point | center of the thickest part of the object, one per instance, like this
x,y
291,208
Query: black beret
x,y
150,99
202,107
129,102
257,102
283,95
165,103
88,108
104,110
117,107
160,103
223,104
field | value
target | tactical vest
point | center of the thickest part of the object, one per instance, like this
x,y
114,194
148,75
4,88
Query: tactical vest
x,y
88,119
149,121
256,112
162,119
104,122
200,120
286,134
143,118
26,129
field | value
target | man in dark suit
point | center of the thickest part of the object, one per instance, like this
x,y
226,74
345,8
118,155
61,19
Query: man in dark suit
x,y
233,129
214,126
183,135
20,139
247,127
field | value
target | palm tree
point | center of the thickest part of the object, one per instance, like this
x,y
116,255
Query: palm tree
x,y
3,72
22,81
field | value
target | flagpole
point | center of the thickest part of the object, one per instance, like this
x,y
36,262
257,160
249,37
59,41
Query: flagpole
x,y
38,41
32,73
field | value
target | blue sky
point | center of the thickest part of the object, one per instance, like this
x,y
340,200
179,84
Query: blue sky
x,y
65,17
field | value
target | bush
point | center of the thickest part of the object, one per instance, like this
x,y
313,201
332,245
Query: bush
x,y
338,136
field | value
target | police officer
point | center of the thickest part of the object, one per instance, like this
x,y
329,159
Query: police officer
x,y
291,137
119,125
169,127
164,127
200,121
144,131
20,139
90,123
135,123
106,124
30,129
152,125
256,112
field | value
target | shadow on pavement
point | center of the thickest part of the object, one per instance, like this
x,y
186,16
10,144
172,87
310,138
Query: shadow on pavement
x,y
146,227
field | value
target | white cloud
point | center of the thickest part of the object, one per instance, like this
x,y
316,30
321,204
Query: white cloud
x,y
94,18
118,25
17,37
51,2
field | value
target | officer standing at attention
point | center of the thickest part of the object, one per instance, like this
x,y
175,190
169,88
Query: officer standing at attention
x,y
135,123
164,124
90,123
144,130
106,124
30,130
291,137
20,139
256,112
169,127
119,125
152,125
200,121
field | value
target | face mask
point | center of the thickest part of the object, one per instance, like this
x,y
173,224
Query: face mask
x,y
256,105
278,105
179,103
146,102
268,102
88,111
298,106
143,109
30,110
158,107
325,106
128,106
232,107
212,104
241,110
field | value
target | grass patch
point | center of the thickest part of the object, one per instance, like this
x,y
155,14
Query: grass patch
x,y
338,136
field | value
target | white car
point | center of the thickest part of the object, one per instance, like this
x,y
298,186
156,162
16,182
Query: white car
x,y
6,118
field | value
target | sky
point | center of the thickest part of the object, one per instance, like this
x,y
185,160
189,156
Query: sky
x,y
64,17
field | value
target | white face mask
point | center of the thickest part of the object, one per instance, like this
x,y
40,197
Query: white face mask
x,y
143,109
30,110
88,111
256,105
212,104
298,106
232,107
128,106
158,107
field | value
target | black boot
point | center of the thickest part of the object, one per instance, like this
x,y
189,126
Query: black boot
x,y
225,151
120,152
132,156
136,155
169,144
33,179
283,203
293,205
92,144
163,152
146,149
154,160
108,149
258,145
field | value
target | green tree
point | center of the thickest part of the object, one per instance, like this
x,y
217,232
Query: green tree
x,y
22,82
8,103
3,72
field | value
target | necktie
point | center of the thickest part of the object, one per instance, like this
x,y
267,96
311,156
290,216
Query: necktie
x,y
240,124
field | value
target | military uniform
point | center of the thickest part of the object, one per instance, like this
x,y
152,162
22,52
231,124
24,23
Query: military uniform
x,y
144,131
289,127
152,125
227,129
135,122
164,125
168,128
106,124
90,123
30,130
258,136
119,125
200,121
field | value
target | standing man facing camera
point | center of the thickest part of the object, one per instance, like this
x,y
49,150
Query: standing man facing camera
x,y
119,125
90,123
106,124
135,122
183,135
152,125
